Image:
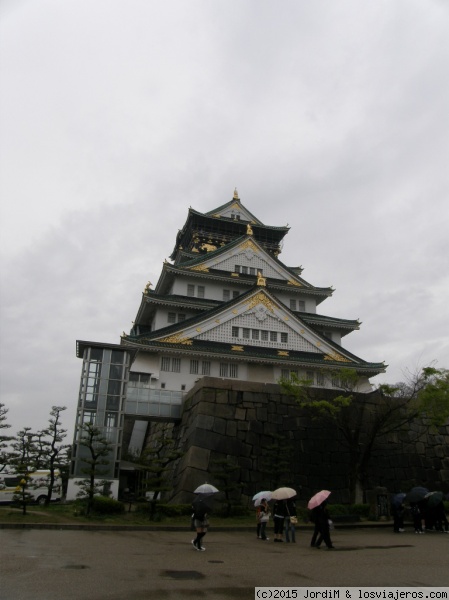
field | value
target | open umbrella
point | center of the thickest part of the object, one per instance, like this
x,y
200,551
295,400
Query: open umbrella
x,y
206,488
416,494
398,499
318,499
260,496
267,495
283,493
202,504
434,498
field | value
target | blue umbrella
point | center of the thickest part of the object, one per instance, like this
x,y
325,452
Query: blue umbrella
x,y
416,494
398,499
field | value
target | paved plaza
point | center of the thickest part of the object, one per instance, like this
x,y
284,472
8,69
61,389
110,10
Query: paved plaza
x,y
137,565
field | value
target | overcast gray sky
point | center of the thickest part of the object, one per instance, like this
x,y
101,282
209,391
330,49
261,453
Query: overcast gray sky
x,y
116,116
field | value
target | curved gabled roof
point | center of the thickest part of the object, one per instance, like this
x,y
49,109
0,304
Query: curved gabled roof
x,y
175,337
197,260
213,221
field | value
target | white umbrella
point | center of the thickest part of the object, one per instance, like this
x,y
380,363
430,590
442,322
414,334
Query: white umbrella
x,y
283,493
206,488
260,495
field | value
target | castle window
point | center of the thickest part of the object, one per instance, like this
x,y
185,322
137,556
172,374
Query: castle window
x,y
233,370
181,317
171,317
320,379
200,291
224,367
336,381
255,334
264,335
244,270
287,373
252,271
194,365
237,269
235,294
226,295
205,367
273,336
165,363
229,370
246,333
235,332
176,365
284,338
190,289
301,306
292,304
310,375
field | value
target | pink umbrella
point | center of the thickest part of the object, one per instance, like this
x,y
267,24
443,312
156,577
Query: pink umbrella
x,y
318,499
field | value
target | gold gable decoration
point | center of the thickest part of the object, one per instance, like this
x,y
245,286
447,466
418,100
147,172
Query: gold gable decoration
x,y
177,339
237,348
249,230
201,268
335,357
293,282
249,244
260,298
283,353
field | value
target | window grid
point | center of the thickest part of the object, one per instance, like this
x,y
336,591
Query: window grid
x,y
205,367
176,365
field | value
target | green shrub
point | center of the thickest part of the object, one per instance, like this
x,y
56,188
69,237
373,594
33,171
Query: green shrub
x,y
107,506
338,509
362,510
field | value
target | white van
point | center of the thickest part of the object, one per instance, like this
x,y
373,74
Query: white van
x,y
37,486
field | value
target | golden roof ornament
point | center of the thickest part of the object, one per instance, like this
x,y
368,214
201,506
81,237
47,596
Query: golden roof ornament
x,y
147,287
249,230
261,280
236,194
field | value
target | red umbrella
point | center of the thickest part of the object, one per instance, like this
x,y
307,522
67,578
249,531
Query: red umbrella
x,y
318,499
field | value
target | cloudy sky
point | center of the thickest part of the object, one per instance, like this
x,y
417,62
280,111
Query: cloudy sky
x,y
116,116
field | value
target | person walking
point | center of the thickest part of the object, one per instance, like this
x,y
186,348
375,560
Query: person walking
x,y
263,516
320,516
200,522
290,520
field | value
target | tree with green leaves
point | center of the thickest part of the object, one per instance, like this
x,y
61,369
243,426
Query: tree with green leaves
x,y
362,419
155,462
23,459
53,449
98,451
4,439
227,472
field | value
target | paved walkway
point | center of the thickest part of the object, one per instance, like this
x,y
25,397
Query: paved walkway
x,y
135,565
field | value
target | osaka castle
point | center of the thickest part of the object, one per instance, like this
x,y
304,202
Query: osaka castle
x,y
224,306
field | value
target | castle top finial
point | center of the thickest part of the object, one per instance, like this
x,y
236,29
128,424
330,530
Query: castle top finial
x,y
236,194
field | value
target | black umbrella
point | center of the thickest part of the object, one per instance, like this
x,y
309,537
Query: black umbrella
x,y
416,494
203,504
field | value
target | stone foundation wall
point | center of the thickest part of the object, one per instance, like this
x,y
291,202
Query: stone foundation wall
x,y
241,421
